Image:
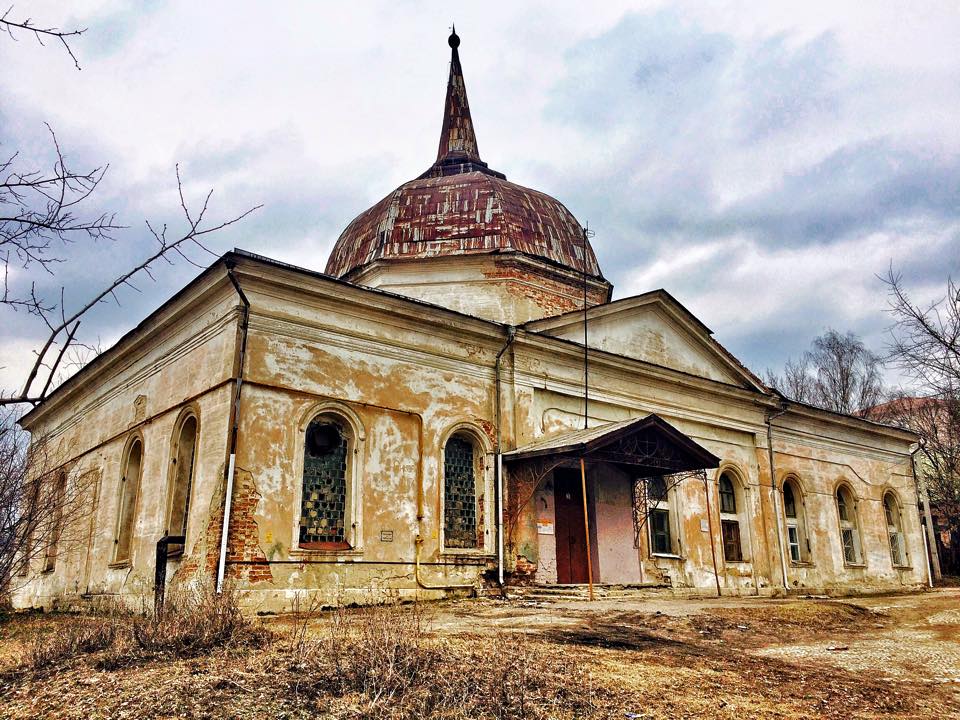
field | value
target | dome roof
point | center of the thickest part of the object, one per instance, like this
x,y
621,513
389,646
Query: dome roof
x,y
463,214
459,206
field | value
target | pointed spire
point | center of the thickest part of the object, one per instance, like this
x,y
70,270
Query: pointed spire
x,y
458,151
458,143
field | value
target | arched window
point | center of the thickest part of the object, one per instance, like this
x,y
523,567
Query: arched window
x,y
849,526
55,519
325,496
730,506
129,490
462,472
182,461
793,510
891,511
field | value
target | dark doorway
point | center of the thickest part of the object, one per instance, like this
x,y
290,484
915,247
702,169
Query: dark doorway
x,y
569,528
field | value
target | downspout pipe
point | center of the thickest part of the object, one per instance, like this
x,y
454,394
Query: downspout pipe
x,y
776,496
930,539
234,424
498,469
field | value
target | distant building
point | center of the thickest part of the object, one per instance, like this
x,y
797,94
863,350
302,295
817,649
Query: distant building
x,y
412,421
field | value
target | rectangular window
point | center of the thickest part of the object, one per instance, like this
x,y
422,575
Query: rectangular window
x,y
896,549
660,531
849,545
730,530
793,540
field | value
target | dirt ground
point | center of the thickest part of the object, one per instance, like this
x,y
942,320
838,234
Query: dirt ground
x,y
878,657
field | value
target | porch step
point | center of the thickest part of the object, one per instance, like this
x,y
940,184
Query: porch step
x,y
555,592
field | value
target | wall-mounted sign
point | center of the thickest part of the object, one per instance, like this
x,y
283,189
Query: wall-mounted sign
x,y
544,527
386,536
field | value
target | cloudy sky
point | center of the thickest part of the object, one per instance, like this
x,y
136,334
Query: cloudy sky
x,y
764,164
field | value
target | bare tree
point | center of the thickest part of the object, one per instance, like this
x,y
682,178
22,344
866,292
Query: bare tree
x,y
796,382
43,504
41,211
925,345
838,373
43,499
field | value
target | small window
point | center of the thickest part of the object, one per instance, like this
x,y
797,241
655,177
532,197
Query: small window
x,y
129,490
660,531
657,489
323,502
891,511
798,544
730,531
730,519
849,528
184,451
660,517
728,497
460,474
55,528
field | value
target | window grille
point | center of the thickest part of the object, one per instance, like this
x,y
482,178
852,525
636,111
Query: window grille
x,y
324,501
459,494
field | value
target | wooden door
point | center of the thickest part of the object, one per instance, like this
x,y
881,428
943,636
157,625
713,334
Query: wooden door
x,y
569,527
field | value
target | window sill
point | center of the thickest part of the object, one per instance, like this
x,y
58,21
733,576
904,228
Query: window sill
x,y
479,553
668,556
736,562
325,552
119,564
857,566
903,567
801,564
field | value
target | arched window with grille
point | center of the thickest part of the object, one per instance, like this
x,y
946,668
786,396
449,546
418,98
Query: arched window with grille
x,y
325,495
731,503
462,473
132,468
891,512
849,526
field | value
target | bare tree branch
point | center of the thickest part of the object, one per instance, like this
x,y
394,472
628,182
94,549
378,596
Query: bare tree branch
x,y
192,236
10,26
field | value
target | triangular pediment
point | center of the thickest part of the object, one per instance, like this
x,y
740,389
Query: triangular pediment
x,y
649,442
654,328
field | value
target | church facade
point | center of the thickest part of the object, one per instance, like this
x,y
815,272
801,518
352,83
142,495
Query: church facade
x,y
456,402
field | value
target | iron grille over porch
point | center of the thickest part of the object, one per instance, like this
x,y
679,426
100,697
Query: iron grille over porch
x,y
643,446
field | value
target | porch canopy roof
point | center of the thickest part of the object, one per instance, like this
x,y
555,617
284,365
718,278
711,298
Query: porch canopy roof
x,y
649,444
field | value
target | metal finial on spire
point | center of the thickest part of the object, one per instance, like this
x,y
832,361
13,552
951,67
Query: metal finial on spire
x,y
454,39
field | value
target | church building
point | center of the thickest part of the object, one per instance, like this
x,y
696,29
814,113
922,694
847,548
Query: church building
x,y
454,404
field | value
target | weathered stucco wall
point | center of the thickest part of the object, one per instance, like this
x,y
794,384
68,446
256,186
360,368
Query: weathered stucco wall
x,y
504,288
404,377
185,365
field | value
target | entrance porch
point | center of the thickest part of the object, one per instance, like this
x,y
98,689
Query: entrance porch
x,y
588,505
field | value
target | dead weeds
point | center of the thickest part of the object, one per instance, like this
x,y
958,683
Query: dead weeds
x,y
384,662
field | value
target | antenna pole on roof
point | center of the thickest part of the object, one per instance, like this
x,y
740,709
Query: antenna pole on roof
x,y
586,361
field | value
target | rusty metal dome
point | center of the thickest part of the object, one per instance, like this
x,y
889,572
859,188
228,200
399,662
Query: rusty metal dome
x,y
460,206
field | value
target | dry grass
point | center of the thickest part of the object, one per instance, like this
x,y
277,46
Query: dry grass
x,y
194,621
384,662
204,660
